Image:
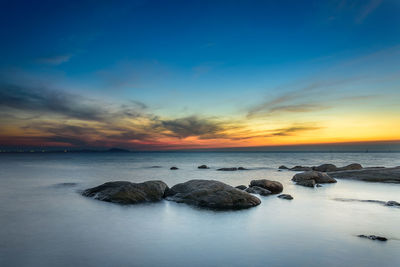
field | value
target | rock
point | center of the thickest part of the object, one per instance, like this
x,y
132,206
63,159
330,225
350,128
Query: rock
x,y
258,190
318,177
373,237
307,183
65,184
228,169
273,186
392,203
155,167
283,167
174,168
211,194
353,166
203,167
318,185
241,187
383,175
242,169
325,168
123,192
285,196
300,168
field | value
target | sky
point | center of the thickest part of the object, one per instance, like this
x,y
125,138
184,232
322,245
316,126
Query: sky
x,y
159,75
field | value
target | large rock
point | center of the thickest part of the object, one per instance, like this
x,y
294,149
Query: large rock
x,y
318,177
353,166
258,190
211,194
383,175
325,168
273,186
123,192
241,187
306,183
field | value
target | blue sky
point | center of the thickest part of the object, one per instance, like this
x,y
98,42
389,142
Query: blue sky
x,y
211,60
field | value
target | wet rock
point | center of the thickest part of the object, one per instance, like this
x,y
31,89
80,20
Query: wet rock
x,y
211,194
306,183
203,167
241,187
228,169
258,190
242,169
155,167
373,237
318,185
392,203
300,168
174,168
285,196
123,192
273,186
383,175
318,177
325,168
283,167
353,166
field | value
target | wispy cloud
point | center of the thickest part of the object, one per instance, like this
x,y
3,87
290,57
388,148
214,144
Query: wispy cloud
x,y
55,60
367,9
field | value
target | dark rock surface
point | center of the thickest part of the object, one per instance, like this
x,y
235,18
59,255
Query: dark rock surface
x,y
353,166
273,186
211,194
228,169
285,196
306,183
242,169
283,167
123,192
373,237
318,177
203,167
241,187
300,168
174,168
325,168
392,203
258,190
383,175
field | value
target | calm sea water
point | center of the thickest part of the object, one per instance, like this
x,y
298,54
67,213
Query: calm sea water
x,y
44,223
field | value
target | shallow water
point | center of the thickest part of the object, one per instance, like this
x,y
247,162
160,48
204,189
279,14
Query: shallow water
x,y
46,223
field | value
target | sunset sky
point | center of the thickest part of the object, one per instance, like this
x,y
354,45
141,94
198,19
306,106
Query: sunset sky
x,y
155,75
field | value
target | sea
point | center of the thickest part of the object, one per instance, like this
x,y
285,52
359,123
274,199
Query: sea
x,y
45,221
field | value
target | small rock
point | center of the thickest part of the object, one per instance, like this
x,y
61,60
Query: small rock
x,y
242,169
228,169
203,167
318,185
392,203
306,183
283,167
155,167
241,187
286,196
174,168
258,190
300,168
373,237
353,166
273,186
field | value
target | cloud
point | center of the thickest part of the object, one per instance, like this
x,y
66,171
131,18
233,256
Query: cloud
x,y
367,10
193,126
55,60
292,130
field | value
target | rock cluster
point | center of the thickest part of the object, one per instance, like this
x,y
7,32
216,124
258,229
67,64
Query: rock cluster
x,y
310,178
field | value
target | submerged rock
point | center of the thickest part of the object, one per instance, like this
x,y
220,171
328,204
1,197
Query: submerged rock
x,y
228,169
123,192
241,187
392,203
258,190
174,168
325,168
242,169
283,167
318,177
300,168
373,237
273,186
383,175
306,183
285,196
211,194
203,167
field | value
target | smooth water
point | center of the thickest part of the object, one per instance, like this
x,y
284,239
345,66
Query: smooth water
x,y
46,223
